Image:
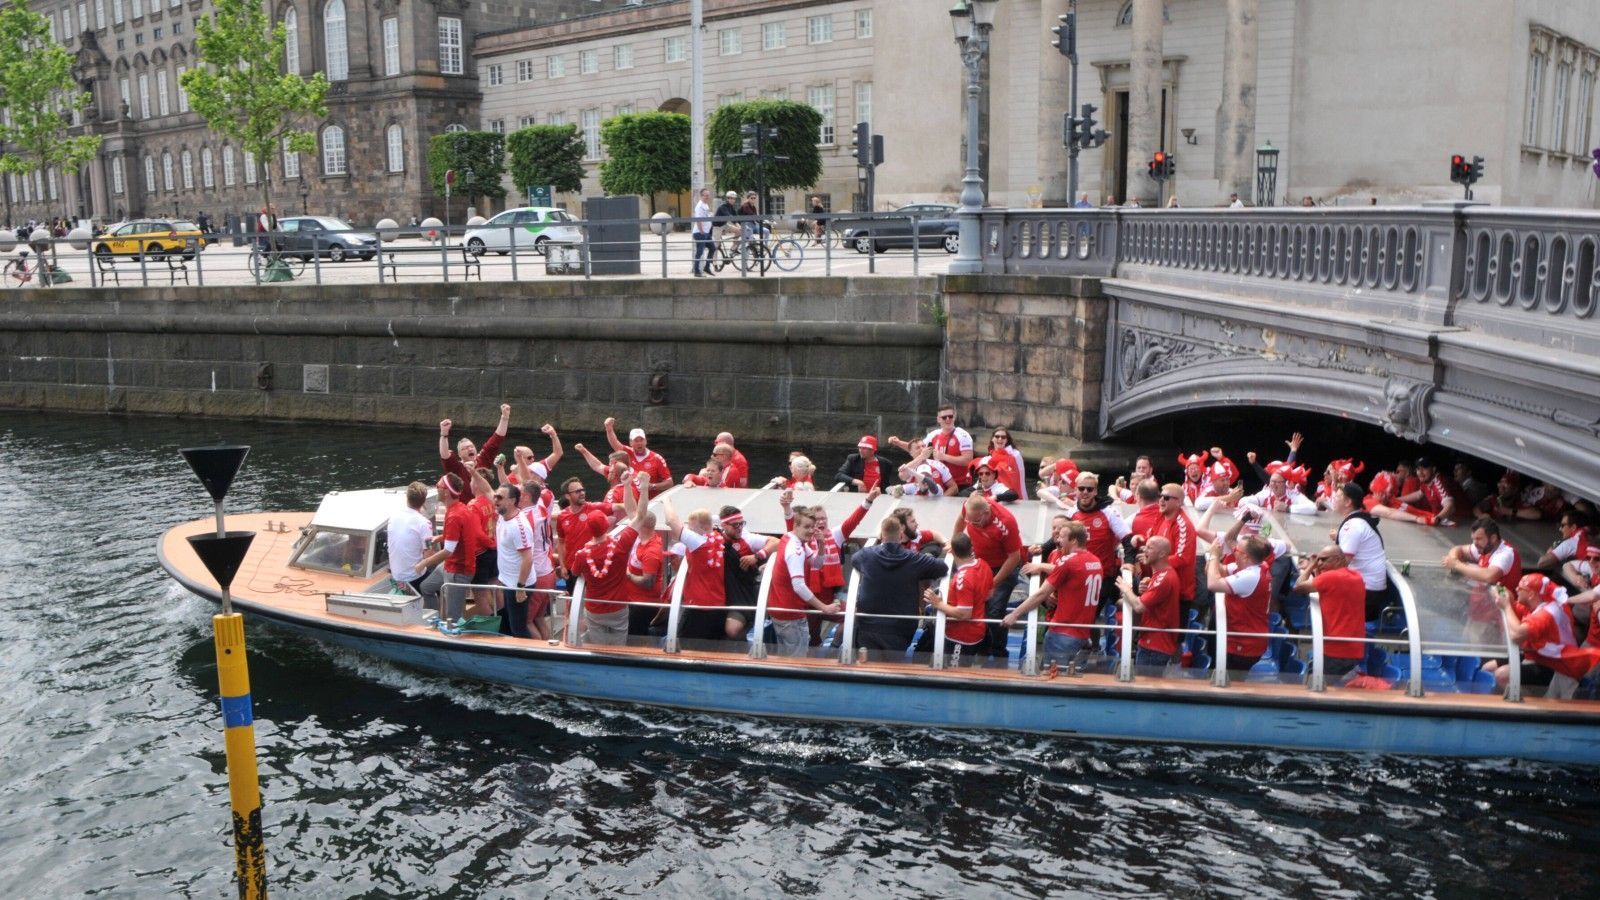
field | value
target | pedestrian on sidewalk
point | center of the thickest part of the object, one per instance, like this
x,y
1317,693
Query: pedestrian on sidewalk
x,y
702,232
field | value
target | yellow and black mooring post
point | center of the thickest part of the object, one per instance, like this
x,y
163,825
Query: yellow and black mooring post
x,y
222,554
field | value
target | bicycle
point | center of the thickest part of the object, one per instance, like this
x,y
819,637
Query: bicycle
x,y
263,261
816,232
784,254
17,272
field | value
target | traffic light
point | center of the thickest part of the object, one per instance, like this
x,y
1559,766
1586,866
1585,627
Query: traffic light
x,y
1066,35
1162,165
1475,171
863,144
1458,169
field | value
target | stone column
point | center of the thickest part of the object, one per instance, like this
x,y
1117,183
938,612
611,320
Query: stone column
x,y
1055,74
1144,100
1236,114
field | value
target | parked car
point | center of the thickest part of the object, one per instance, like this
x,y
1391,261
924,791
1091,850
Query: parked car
x,y
153,237
936,227
535,226
325,236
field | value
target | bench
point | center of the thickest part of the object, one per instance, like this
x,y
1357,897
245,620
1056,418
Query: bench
x,y
428,255
176,263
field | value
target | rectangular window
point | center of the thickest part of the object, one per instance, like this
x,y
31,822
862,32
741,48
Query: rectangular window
x,y
777,205
524,70
117,185
864,102
208,172
775,94
622,56
729,43
229,174
397,149
127,99
188,171
555,67
291,161
498,126
1558,108
118,11
1585,119
450,45
138,8
1536,64
166,172
493,75
161,92
819,29
52,179
51,21
144,96
83,17
863,23
623,109
675,49
731,98
588,62
774,36
100,18
183,95
526,121
591,133
821,99
391,47
250,173
149,175
156,32
333,161
177,28
558,118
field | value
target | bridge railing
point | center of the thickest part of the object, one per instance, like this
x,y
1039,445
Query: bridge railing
x,y
1529,271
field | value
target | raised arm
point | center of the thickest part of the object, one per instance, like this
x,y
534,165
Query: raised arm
x,y
445,451
611,434
555,447
674,524
599,467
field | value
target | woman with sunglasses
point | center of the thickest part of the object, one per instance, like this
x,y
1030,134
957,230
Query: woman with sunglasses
x,y
1000,443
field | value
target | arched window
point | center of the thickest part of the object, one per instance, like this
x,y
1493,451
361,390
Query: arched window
x,y
166,171
333,41
149,175
291,44
455,128
1125,16
208,168
188,170
229,174
397,149
333,150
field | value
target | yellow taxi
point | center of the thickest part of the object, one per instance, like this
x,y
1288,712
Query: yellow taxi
x,y
154,237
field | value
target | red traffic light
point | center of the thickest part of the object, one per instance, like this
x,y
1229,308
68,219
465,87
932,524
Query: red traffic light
x,y
1457,160
1161,157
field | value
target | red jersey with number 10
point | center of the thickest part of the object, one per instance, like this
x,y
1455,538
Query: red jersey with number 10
x,y
1077,579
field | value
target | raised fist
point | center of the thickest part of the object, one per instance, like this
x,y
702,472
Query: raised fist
x,y
444,427
547,428
505,409
611,421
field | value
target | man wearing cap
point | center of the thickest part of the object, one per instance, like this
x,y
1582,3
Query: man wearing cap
x,y
702,232
1358,540
640,457
458,552
860,471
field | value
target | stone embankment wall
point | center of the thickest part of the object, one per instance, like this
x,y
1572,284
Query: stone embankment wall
x,y
787,360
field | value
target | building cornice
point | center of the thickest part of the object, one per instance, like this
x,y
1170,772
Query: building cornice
x,y
628,21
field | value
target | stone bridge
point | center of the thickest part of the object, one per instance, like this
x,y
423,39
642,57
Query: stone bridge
x,y
1461,325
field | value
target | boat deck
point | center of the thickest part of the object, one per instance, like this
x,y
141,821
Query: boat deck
x,y
266,585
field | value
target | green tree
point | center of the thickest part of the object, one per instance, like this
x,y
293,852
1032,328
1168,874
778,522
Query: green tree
x,y
242,91
645,153
798,126
546,154
38,96
479,161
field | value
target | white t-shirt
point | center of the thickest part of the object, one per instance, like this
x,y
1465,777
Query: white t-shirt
x,y
702,215
512,536
408,541
1502,557
538,520
1359,542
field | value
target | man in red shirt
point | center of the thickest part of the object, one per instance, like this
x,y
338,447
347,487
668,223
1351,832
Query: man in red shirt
x,y
1106,527
640,457
1428,502
466,456
1246,586
1075,584
1147,521
862,470
1181,533
603,565
735,468
1342,594
969,588
997,543
1157,606
703,548
647,580
1542,620
572,524
458,552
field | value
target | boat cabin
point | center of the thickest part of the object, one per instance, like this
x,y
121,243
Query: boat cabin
x,y
349,534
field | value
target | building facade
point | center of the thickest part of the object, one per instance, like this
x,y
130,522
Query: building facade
x,y
401,73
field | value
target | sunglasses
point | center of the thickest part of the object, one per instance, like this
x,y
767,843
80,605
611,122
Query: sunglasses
x,y
1086,487
1165,498
946,418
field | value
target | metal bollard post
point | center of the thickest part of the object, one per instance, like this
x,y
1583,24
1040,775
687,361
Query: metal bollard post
x,y
511,238
144,274
316,257
916,246
665,228
199,267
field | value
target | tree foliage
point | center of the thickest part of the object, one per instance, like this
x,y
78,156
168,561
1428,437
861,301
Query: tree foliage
x,y
38,95
546,154
242,91
478,158
798,126
645,153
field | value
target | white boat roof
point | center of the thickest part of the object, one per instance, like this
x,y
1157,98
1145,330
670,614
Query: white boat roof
x,y
362,511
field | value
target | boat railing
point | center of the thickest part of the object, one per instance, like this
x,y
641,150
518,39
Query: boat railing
x,y
1219,675
1318,681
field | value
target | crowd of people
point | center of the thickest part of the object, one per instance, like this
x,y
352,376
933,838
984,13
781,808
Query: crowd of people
x,y
510,542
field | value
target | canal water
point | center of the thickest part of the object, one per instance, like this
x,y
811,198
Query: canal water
x,y
382,781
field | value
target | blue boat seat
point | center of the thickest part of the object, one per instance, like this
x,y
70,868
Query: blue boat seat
x,y
1481,683
1297,611
1392,620
1466,668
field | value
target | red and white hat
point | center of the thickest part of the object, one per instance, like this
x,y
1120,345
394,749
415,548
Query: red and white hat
x,y
868,442
1541,587
445,489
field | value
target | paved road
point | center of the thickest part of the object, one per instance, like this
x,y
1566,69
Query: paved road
x,y
224,264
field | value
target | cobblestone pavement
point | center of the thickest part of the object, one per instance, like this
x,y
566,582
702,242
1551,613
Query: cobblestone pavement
x,y
224,264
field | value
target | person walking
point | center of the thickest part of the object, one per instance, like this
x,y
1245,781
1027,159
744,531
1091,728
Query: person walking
x,y
702,232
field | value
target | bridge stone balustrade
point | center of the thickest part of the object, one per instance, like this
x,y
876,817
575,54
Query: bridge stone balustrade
x,y
1458,324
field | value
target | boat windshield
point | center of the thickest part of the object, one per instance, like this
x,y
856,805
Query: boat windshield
x,y
349,533
331,550
1455,616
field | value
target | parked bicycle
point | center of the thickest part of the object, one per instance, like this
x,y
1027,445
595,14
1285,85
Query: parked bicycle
x,y
18,273
264,260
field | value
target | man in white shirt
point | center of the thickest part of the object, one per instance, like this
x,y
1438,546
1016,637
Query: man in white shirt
x,y
513,559
409,533
1357,537
702,232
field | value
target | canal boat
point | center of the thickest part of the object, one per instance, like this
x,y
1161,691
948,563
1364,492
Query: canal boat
x,y
324,574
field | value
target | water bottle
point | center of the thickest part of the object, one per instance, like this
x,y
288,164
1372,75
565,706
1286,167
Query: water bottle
x,y
1266,530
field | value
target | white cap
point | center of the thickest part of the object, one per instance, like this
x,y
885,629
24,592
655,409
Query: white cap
x,y
636,433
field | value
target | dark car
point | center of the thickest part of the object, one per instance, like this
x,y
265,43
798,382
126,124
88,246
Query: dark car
x,y
325,236
936,227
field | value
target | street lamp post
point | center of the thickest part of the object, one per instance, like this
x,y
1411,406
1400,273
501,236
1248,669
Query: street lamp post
x,y
972,21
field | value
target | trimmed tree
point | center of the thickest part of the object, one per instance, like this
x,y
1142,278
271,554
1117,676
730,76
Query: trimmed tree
x,y
38,95
546,154
478,159
242,92
645,153
798,127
